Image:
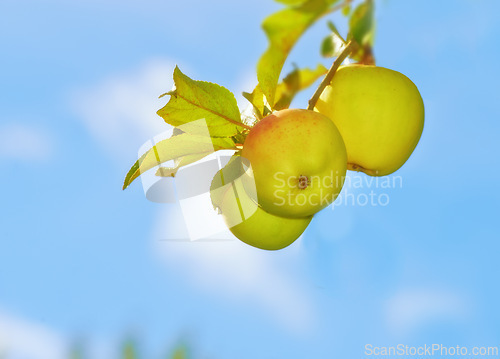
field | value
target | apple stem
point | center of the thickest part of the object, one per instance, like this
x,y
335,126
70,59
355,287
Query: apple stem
x,y
349,48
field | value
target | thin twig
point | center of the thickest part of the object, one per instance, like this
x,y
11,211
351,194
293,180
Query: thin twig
x,y
340,6
329,76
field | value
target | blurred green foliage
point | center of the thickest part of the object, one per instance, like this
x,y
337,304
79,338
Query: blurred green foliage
x,y
129,350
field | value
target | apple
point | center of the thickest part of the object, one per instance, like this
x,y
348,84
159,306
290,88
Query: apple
x,y
379,113
297,162
254,226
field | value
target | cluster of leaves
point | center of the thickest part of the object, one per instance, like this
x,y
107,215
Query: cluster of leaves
x,y
361,31
206,116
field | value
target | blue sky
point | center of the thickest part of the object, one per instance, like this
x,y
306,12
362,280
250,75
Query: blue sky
x,y
79,258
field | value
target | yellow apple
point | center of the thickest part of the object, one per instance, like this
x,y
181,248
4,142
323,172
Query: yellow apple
x,y
379,113
254,226
298,162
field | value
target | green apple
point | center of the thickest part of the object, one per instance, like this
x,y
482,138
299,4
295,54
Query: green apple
x,y
297,162
254,226
379,113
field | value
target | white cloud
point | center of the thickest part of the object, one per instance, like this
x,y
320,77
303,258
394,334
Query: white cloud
x,y
22,339
23,142
120,111
411,309
225,266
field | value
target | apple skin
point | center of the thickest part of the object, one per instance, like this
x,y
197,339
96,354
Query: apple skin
x,y
254,226
379,113
298,162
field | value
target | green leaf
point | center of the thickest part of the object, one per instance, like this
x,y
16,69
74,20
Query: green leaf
x,y
346,10
182,145
258,100
239,138
283,29
294,82
333,44
333,29
362,23
195,100
233,170
180,352
129,350
178,163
